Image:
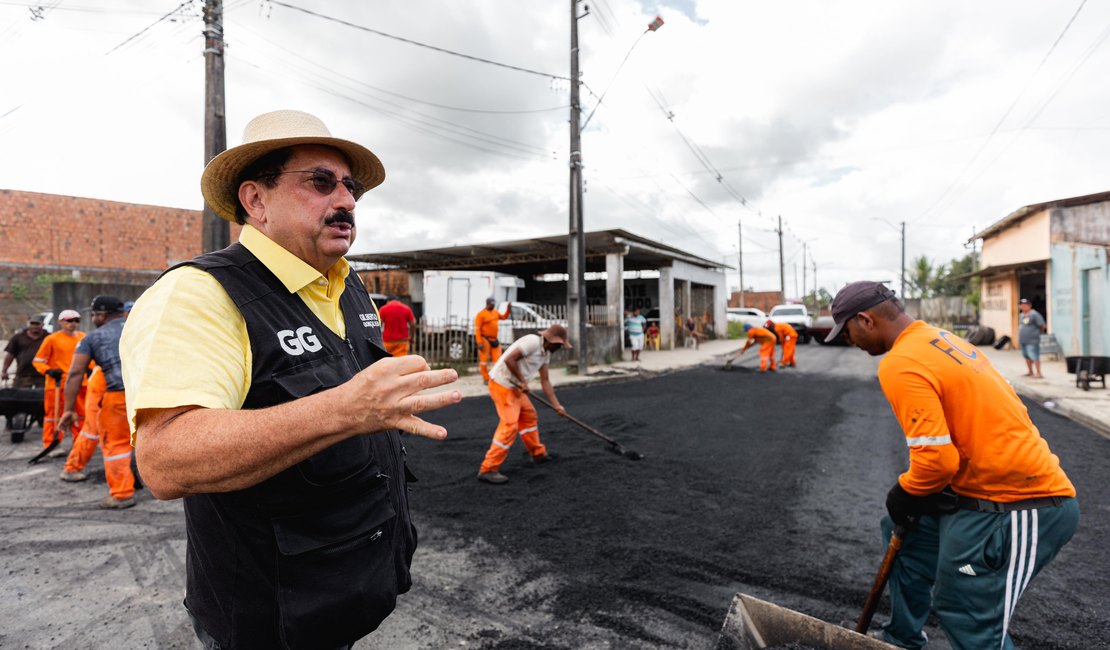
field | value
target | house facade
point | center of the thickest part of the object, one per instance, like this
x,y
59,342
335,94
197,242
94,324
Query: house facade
x,y
1055,255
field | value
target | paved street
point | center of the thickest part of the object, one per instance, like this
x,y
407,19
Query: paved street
x,y
766,484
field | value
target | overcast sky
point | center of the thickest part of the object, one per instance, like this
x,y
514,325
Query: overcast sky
x,y
836,115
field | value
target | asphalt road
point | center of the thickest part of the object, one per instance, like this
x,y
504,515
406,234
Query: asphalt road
x,y
766,484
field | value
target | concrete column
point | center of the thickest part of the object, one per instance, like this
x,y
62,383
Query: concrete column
x,y
686,301
614,290
666,308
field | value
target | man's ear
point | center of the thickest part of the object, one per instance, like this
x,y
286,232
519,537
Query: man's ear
x,y
250,195
866,320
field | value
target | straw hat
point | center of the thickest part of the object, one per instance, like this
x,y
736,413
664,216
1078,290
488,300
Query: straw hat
x,y
271,131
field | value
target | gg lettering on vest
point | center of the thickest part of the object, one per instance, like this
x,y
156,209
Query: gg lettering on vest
x,y
298,342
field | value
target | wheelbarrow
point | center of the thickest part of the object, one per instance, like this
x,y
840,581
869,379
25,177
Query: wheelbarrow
x,y
1088,370
21,407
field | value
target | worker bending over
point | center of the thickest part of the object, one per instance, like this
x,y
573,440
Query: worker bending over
x,y
788,337
766,340
985,500
527,357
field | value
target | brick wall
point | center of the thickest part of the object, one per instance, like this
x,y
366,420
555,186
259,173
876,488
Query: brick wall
x,y
48,238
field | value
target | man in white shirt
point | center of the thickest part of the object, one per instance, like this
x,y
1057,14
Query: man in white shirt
x,y
508,386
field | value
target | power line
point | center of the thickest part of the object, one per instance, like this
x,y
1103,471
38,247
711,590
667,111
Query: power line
x,y
418,43
148,27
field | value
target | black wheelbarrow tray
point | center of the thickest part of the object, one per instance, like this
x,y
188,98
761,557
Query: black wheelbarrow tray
x,y
1088,370
21,406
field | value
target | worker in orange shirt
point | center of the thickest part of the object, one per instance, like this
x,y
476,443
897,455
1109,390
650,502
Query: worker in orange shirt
x,y
485,333
788,337
766,340
53,360
397,323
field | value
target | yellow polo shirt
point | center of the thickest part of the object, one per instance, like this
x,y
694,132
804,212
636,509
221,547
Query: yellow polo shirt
x,y
186,343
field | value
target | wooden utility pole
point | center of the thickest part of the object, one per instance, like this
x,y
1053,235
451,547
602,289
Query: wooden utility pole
x,y
576,241
903,296
782,264
803,271
217,231
740,260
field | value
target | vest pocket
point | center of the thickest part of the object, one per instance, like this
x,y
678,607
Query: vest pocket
x,y
336,576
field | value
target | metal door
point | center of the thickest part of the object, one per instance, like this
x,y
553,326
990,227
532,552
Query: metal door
x,y
1094,310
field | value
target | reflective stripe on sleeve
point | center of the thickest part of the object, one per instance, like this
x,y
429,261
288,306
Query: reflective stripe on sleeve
x,y
39,360
929,441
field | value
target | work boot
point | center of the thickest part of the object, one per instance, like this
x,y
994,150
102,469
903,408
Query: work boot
x,y
73,477
111,503
493,477
540,460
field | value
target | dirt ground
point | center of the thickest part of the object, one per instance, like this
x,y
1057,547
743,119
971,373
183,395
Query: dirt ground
x,y
768,485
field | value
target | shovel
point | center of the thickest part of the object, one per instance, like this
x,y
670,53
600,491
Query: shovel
x,y
880,580
614,446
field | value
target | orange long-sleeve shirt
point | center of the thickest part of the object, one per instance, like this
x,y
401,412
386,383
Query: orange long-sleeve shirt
x,y
964,424
486,322
56,351
759,335
784,330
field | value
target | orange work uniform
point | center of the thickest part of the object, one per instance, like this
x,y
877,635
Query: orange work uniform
x,y
89,439
766,341
964,424
788,336
486,324
56,352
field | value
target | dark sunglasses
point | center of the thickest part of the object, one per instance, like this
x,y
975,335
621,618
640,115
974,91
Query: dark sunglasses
x,y
325,180
71,320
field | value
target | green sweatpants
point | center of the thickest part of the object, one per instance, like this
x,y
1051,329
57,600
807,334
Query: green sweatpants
x,y
972,567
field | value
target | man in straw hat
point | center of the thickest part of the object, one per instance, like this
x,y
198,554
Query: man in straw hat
x,y
255,375
526,357
984,500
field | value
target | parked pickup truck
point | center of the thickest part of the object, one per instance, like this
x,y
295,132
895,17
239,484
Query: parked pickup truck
x,y
797,317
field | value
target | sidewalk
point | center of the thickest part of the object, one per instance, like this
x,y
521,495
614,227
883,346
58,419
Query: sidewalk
x,y
1056,391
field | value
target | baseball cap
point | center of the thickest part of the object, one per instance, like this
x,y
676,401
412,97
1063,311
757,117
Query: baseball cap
x,y
854,298
1024,301
68,314
110,304
557,334
37,319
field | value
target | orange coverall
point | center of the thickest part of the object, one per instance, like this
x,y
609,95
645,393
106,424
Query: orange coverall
x,y
518,416
485,328
89,439
56,352
766,341
789,338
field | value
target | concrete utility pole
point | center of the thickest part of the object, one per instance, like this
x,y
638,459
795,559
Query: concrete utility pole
x,y
782,264
576,242
903,296
803,271
217,232
740,261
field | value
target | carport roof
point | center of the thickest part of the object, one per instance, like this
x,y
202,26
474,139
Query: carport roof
x,y
536,256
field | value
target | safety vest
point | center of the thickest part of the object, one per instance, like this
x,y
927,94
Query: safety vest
x,y
316,555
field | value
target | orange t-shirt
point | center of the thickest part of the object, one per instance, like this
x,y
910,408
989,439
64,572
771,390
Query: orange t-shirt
x,y
761,335
964,424
486,322
56,351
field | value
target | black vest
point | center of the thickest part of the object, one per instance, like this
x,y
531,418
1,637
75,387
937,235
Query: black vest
x,y
315,556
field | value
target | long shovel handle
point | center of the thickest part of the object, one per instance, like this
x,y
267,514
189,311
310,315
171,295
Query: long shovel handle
x,y
576,421
57,433
881,579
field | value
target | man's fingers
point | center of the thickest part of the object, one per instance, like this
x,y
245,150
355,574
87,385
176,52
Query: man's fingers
x,y
418,427
432,401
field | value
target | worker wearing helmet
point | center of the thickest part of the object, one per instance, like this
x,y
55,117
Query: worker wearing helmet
x,y
788,337
486,324
766,340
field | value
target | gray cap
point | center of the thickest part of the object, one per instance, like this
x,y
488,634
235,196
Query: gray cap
x,y
854,298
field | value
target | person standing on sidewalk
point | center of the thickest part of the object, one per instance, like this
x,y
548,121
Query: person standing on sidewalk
x,y
634,324
508,386
1030,328
985,500
21,348
102,347
397,323
486,326
53,359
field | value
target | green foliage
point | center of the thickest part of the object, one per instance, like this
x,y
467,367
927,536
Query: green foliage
x,y
823,298
947,280
736,330
920,277
19,291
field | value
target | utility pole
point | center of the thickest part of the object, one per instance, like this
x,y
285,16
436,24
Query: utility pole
x,y
903,296
740,260
217,232
803,272
816,297
782,265
576,241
